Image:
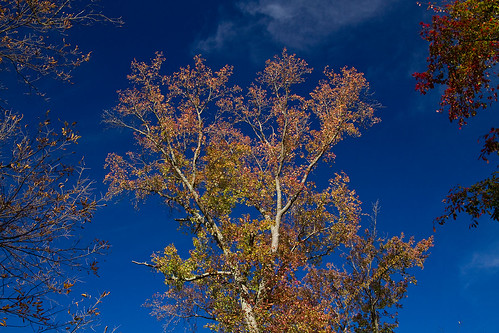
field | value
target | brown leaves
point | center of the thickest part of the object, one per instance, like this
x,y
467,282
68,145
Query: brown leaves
x,y
365,292
25,28
44,198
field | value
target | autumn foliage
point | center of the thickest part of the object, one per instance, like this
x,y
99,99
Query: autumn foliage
x,y
478,199
33,36
272,251
44,202
463,53
45,199
463,56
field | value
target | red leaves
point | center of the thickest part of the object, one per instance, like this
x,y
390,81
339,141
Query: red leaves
x,y
464,48
476,200
463,51
423,82
491,144
341,104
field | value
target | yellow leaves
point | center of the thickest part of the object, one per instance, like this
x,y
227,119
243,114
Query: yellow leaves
x,y
224,174
175,270
67,285
69,135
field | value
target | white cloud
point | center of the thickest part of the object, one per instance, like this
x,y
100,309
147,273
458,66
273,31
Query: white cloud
x,y
295,23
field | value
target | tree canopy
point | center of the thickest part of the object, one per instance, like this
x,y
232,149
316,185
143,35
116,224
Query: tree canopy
x,y
272,251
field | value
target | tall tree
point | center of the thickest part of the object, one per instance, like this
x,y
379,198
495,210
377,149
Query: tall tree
x,y
33,36
463,56
44,201
239,168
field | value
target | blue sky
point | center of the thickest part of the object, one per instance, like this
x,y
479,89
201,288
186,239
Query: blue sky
x,y
408,162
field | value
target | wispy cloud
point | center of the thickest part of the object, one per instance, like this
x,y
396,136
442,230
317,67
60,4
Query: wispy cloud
x,y
225,31
481,264
295,23
482,261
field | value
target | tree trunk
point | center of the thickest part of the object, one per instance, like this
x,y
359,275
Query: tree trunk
x,y
249,316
